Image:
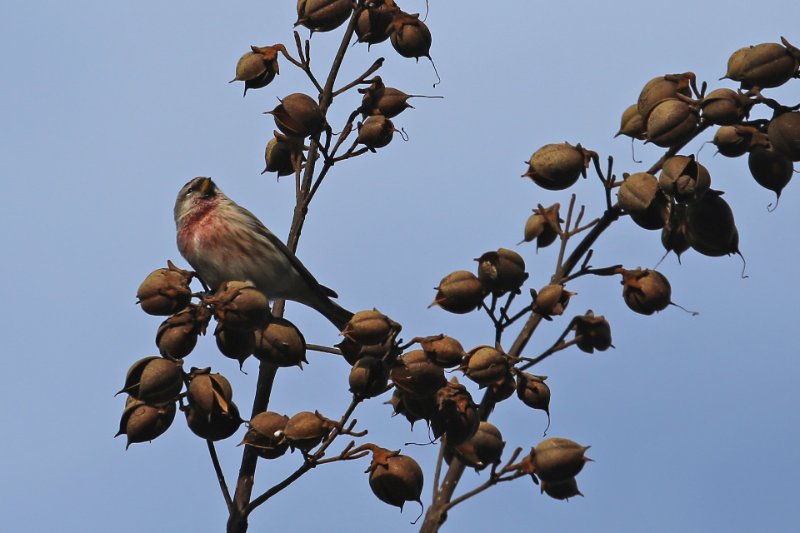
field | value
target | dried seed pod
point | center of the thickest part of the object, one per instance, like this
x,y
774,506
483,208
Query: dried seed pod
x,y
502,271
298,115
216,425
663,88
143,422
281,153
240,305
771,169
411,407
784,134
265,434
368,377
165,291
456,416
323,15
177,335
544,225
551,300
533,391
640,196
710,226
444,351
416,375
154,380
459,292
482,449
673,235
683,178
632,123
258,67
486,365
373,22
370,327
672,122
561,490
209,392
395,479
305,430
235,344
386,101
280,343
558,459
730,141
353,351
763,65
556,167
592,332
375,132
725,106
409,36
645,291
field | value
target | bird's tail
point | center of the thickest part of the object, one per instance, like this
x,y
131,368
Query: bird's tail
x,y
338,315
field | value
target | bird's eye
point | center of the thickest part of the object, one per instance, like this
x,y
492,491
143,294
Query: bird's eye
x,y
189,191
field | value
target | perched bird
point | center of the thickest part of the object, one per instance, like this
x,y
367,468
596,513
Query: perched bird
x,y
225,242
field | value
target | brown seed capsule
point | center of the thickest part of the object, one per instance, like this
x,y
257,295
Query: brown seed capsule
x,y
368,377
645,291
142,422
784,134
373,22
177,335
235,344
551,300
459,292
386,101
416,375
444,351
484,448
533,391
771,169
298,115
763,65
154,380
258,67
673,235
632,124
662,88
165,291
265,434
215,425
725,106
486,365
370,327
640,196
240,305
502,271
546,226
683,178
209,392
306,429
280,155
558,459
710,226
409,36
280,343
323,15
592,332
672,122
561,490
456,416
395,479
411,407
375,132
556,167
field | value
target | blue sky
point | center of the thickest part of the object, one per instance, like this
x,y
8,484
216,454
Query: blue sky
x,y
108,108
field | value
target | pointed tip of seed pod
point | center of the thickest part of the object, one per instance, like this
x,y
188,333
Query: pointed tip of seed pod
x,y
233,80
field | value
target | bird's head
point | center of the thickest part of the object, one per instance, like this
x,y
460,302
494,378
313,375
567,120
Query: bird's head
x,y
196,193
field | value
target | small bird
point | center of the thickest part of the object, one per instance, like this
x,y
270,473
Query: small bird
x,y
225,242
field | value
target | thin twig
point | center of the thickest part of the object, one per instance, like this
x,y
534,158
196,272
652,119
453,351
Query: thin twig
x,y
361,79
212,451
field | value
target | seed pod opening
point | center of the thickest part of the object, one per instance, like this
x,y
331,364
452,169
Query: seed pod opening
x,y
165,291
551,300
456,417
640,196
240,305
484,448
502,271
683,178
215,425
209,392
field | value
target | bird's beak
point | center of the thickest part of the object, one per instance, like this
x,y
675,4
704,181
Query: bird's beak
x,y
206,187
